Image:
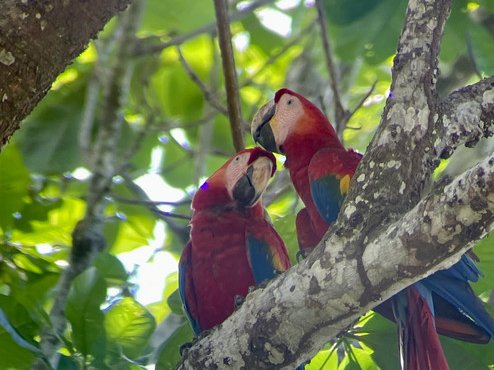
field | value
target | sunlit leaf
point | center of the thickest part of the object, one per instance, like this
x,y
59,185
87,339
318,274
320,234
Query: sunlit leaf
x,y
129,326
324,360
57,229
172,16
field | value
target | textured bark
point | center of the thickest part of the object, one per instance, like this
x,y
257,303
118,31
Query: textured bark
x,y
37,41
390,232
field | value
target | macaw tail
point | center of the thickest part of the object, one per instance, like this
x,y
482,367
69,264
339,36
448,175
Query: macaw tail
x,y
420,348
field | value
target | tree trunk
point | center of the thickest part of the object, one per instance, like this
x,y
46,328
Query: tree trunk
x,y
37,41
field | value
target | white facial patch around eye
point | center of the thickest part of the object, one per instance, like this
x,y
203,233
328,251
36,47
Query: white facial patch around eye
x,y
236,170
289,110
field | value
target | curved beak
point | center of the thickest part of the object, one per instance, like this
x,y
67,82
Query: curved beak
x,y
250,186
261,129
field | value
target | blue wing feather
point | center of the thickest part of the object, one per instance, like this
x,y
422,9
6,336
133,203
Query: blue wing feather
x,y
327,197
452,285
261,259
186,286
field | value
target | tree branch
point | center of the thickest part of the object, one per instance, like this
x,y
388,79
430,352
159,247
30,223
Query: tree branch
x,y
229,72
465,117
208,95
340,111
34,53
401,157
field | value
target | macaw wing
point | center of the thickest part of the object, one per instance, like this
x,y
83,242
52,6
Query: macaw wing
x,y
330,172
452,287
266,253
186,288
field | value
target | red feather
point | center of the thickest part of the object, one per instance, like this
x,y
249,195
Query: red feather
x,y
215,266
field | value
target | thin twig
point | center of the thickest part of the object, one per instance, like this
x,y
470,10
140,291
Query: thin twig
x,y
208,95
273,57
141,202
167,214
340,112
181,231
229,72
359,104
208,28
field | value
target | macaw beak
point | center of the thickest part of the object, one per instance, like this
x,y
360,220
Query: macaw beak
x,y
261,127
253,182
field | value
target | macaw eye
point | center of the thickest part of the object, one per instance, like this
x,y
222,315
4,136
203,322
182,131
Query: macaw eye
x,y
237,158
289,102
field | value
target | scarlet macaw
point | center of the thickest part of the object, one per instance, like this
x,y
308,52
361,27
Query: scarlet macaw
x,y
232,245
320,169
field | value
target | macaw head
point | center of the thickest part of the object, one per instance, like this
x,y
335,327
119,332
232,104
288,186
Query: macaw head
x,y
239,182
289,116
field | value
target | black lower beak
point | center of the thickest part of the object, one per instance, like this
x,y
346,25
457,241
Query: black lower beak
x,y
244,191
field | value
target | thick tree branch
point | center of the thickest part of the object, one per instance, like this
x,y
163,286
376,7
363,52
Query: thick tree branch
x,y
37,41
294,316
465,117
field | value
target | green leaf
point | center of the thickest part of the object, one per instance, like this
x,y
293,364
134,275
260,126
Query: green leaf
x,y
482,41
13,352
379,334
453,42
175,303
357,359
324,360
16,337
129,326
57,229
178,167
111,268
14,182
49,138
35,210
176,16
467,356
485,252
169,353
87,293
367,34
344,12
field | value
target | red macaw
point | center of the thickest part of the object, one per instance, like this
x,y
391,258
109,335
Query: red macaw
x,y
232,245
320,169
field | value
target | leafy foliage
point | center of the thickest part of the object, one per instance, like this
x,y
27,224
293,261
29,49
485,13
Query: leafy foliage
x,y
172,138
